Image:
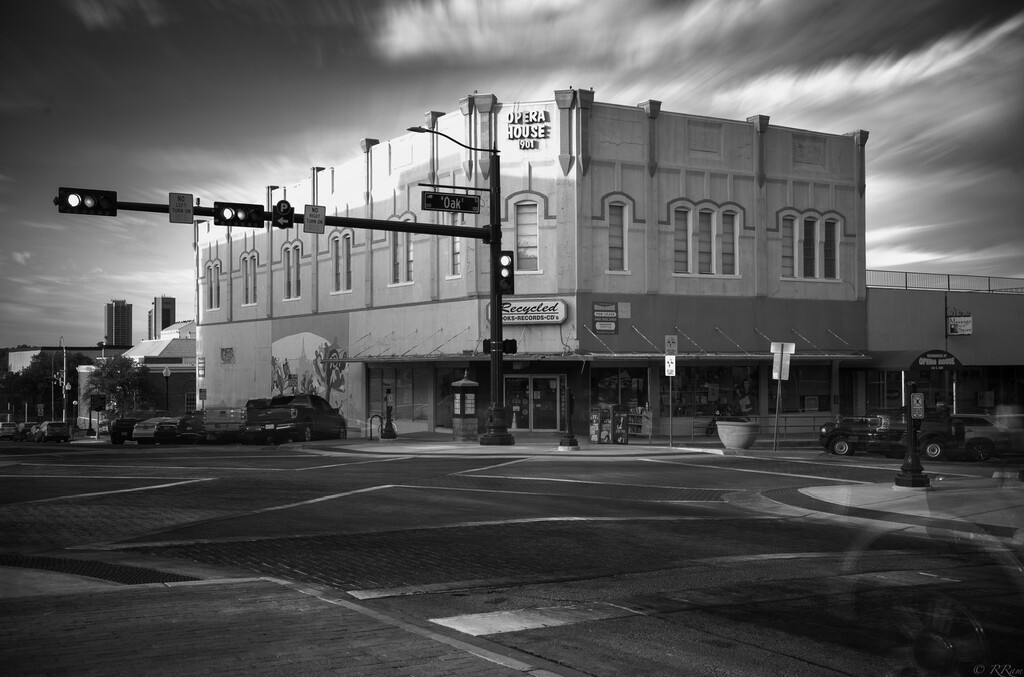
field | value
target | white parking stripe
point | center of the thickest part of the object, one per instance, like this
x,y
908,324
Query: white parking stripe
x,y
120,491
758,472
496,622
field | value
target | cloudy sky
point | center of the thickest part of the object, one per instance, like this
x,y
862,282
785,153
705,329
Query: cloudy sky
x,y
220,98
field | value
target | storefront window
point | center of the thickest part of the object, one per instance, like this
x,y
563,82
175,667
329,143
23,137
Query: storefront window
x,y
808,390
702,391
409,387
884,390
619,385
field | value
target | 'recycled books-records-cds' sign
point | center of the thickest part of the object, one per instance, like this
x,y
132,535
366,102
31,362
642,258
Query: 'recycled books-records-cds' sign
x,y
533,311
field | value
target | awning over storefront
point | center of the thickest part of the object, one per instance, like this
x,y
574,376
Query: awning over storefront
x,y
609,357
906,360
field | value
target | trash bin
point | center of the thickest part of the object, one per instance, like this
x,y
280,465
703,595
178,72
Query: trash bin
x,y
620,424
601,425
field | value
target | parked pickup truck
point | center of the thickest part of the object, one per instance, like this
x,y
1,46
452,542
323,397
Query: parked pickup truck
x,y
293,417
224,424
884,432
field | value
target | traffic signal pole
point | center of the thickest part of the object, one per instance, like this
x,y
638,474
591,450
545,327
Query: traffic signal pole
x,y
496,429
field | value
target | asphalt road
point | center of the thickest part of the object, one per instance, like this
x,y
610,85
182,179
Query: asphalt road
x,y
666,564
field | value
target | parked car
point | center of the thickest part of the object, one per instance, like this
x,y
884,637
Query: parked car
x,y
47,431
162,429
24,432
7,430
294,417
191,428
121,429
986,436
938,438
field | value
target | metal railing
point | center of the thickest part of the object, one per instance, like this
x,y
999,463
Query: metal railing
x,y
792,427
938,281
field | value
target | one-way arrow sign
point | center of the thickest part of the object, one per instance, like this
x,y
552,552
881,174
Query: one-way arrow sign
x,y
284,214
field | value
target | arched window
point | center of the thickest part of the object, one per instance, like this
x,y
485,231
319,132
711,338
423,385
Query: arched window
x,y
249,263
810,245
213,285
617,237
527,236
705,238
728,242
292,255
681,240
341,262
401,258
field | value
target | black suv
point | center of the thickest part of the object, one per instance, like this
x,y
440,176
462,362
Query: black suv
x,y
121,428
938,438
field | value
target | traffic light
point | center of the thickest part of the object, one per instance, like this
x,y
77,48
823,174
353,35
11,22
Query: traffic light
x,y
237,214
506,273
487,346
86,201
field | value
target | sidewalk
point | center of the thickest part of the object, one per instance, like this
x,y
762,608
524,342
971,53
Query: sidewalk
x,y
60,622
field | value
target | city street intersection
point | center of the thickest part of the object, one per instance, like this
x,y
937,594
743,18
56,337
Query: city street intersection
x,y
425,556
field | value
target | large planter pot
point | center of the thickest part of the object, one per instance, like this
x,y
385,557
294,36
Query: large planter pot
x,y
738,434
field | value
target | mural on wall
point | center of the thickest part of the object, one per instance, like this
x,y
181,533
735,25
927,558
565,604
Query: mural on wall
x,y
308,363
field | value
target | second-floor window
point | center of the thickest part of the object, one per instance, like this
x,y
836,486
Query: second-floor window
x,y
527,236
616,237
810,246
455,256
401,258
292,271
681,240
213,285
705,240
249,278
341,263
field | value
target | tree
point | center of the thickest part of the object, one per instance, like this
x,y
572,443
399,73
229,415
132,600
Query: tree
x,y
39,384
123,382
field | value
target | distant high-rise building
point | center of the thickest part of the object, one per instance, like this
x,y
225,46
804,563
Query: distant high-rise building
x,y
162,315
117,328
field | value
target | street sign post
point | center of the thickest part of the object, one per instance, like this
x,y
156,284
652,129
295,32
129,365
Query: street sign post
x,y
780,372
670,371
314,218
180,208
917,405
451,202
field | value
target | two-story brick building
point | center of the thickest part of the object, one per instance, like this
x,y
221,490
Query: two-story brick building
x,y
637,232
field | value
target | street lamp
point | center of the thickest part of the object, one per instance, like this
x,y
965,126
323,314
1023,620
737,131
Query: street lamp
x,y
496,431
167,389
64,385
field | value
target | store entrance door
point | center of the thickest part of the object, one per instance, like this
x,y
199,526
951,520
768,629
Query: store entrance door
x,y
534,402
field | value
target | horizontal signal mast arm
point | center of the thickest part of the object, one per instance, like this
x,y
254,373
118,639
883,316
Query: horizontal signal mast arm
x,y
482,233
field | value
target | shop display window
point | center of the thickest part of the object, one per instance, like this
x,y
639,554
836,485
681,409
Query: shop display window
x,y
409,389
619,385
703,391
808,390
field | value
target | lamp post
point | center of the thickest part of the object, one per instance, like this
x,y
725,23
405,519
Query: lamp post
x,y
53,382
64,383
167,388
496,430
